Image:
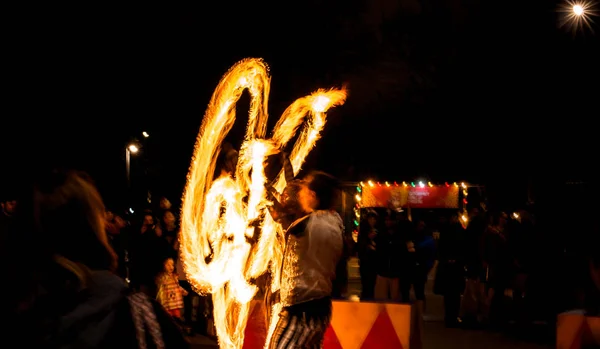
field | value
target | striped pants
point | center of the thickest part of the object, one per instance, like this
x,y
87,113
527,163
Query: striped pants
x,y
300,329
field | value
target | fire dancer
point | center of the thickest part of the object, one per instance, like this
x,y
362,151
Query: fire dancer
x,y
314,247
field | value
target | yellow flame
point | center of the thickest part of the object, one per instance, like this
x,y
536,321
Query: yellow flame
x,y
220,248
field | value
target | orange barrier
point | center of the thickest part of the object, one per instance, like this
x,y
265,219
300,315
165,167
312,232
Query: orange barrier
x,y
354,325
574,331
256,328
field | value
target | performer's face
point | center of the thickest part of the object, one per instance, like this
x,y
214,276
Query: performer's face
x,y
306,197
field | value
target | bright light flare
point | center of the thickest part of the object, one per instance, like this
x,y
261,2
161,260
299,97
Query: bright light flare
x,y
133,148
222,246
578,14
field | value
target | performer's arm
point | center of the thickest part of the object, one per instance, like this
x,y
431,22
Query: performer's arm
x,y
276,209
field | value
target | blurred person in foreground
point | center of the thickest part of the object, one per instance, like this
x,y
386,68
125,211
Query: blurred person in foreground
x,y
64,293
313,249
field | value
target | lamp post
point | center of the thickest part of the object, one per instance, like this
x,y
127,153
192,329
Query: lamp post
x,y
130,149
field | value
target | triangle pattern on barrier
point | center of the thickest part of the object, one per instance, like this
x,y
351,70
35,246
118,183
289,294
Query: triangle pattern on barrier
x,y
352,322
586,335
382,334
594,326
568,331
331,340
577,340
256,331
400,315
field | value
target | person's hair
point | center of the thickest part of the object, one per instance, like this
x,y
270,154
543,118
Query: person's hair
x,y
58,240
68,215
372,214
326,188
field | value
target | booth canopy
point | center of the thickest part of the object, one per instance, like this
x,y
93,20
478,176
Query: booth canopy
x,y
413,196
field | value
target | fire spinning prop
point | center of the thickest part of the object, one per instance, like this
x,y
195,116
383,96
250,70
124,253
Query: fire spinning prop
x,y
221,248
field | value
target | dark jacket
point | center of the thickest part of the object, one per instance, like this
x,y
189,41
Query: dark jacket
x,y
98,317
391,250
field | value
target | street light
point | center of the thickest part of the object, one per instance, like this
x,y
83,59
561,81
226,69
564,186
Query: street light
x,y
133,148
145,134
130,149
577,14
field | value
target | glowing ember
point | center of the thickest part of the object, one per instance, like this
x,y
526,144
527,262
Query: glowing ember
x,y
220,248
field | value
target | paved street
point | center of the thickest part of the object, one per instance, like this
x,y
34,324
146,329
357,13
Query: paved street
x,y
436,335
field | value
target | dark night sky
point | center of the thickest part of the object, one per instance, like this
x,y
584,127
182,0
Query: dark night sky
x,y
447,89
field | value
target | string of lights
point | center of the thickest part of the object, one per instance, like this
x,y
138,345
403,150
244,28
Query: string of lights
x,y
361,186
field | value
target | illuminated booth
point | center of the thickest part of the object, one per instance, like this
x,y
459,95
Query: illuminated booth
x,y
408,196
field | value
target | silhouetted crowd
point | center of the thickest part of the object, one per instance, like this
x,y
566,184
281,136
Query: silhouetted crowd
x,y
493,269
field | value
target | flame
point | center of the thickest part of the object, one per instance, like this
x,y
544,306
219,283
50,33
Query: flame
x,y
220,248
